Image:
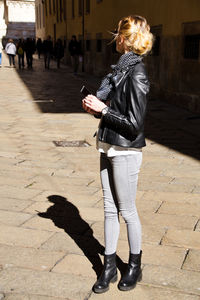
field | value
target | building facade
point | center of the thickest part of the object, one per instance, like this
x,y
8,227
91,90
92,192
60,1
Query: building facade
x,y
17,19
174,64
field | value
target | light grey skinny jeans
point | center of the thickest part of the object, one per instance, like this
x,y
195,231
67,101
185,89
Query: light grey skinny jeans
x,y
119,177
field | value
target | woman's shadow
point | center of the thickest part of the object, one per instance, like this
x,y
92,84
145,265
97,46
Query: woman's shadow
x,y
65,215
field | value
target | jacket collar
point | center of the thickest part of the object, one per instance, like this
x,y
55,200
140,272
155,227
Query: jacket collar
x,y
126,61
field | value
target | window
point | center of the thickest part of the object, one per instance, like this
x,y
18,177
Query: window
x,y
99,45
57,15
73,15
191,46
64,9
54,7
37,22
88,45
157,32
87,8
61,10
46,7
50,7
80,7
54,32
39,15
156,46
43,15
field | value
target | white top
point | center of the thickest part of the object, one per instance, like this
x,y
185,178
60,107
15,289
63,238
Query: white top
x,y
113,150
10,49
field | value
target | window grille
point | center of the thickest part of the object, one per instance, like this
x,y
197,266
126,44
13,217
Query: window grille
x,y
64,9
88,45
73,14
50,7
99,45
80,7
87,8
191,46
156,46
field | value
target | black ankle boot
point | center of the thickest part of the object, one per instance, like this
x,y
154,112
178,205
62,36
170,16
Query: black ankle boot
x,y
109,274
132,274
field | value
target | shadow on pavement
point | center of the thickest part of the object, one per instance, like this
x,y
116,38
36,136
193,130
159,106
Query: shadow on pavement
x,y
57,91
66,215
54,90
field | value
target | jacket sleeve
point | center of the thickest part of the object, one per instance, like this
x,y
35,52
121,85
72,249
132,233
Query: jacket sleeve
x,y
137,87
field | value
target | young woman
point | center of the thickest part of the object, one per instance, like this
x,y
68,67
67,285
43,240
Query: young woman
x,y
11,51
121,103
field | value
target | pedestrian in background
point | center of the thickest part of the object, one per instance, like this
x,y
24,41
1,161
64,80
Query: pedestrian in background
x,y
39,47
20,53
48,51
74,50
58,51
1,47
121,104
11,51
29,48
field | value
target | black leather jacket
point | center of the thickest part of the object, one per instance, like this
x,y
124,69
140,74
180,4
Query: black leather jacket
x,y
123,124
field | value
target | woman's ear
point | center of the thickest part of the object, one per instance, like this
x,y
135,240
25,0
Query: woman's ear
x,y
121,39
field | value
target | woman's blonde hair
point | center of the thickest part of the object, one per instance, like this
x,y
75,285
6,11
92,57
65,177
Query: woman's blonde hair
x,y
136,33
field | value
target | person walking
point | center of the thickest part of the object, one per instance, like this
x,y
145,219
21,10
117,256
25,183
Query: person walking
x,y
48,51
1,47
20,53
58,51
74,50
120,102
39,47
11,51
29,49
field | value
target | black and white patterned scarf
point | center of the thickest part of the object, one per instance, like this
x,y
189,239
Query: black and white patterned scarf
x,y
125,61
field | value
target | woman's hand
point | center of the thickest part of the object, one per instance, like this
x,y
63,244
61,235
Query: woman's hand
x,y
92,104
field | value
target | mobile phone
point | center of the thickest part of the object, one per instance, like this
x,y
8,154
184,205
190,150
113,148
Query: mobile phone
x,y
85,91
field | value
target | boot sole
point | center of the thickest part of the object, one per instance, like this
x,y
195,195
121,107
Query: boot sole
x,y
128,288
97,291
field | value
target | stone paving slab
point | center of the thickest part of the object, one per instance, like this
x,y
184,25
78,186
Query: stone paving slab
x,y
165,187
182,238
144,292
180,280
168,221
181,197
17,192
77,265
30,258
192,261
78,198
16,236
31,297
13,218
184,209
37,222
45,283
13,204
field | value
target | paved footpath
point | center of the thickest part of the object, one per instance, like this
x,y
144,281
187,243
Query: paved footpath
x,y
51,211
